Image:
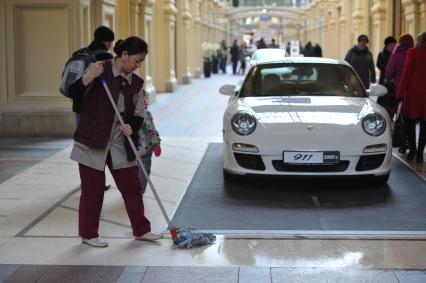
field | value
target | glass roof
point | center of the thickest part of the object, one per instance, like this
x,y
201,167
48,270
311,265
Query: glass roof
x,y
274,3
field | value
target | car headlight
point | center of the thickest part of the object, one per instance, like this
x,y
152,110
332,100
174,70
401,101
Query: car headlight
x,y
374,124
243,123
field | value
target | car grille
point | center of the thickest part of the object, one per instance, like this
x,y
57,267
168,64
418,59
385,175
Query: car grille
x,y
250,161
370,162
279,165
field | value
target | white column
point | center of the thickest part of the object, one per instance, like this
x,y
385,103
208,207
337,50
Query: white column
x,y
146,32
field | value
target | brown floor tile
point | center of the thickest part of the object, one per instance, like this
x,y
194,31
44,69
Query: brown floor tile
x,y
316,275
27,274
191,275
80,274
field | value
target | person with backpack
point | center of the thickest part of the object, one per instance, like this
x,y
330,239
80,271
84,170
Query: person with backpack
x,y
103,39
361,59
98,49
100,139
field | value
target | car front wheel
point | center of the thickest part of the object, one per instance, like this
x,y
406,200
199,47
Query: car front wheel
x,y
229,177
381,180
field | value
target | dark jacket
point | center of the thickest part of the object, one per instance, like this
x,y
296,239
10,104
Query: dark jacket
x,y
317,51
235,53
363,63
94,45
308,51
382,61
97,114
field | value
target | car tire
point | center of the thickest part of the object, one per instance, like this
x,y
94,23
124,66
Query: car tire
x,y
381,180
229,177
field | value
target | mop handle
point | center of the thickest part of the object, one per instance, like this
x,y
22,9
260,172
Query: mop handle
x,y
138,158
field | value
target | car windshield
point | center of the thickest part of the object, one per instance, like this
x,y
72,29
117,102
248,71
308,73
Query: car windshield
x,y
302,79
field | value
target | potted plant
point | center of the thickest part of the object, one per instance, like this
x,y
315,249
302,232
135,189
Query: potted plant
x,y
207,66
215,63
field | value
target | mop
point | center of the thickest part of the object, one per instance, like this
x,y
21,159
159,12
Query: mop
x,y
183,238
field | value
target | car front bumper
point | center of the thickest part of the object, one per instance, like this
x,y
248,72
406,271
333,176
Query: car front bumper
x,y
240,163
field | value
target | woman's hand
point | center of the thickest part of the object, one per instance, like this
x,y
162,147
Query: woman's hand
x,y
93,71
126,130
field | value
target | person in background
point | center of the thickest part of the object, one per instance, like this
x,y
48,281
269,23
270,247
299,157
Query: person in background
x,y
317,50
397,59
251,48
100,139
223,56
394,70
235,57
149,144
383,57
242,57
361,59
287,48
388,101
308,50
412,91
261,44
273,44
102,42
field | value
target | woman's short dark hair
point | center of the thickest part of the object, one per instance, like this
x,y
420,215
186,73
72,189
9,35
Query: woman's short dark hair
x,y
133,45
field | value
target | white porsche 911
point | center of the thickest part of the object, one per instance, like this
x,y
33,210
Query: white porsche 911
x,y
305,117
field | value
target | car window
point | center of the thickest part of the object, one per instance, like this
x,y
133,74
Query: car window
x,y
301,79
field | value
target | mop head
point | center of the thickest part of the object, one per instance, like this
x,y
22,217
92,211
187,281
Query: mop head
x,y
188,239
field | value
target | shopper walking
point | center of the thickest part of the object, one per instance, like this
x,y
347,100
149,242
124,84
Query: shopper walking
x,y
383,57
387,101
412,90
235,56
394,70
397,59
100,139
317,50
362,61
223,56
308,50
242,57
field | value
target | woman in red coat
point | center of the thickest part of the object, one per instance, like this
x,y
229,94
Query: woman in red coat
x,y
412,90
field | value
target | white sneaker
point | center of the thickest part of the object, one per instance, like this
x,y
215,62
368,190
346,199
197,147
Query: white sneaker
x,y
149,237
95,242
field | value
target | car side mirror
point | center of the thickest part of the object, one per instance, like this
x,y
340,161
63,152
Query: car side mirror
x,y
227,89
377,90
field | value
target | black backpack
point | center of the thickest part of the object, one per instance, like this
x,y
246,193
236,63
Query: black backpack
x,y
76,65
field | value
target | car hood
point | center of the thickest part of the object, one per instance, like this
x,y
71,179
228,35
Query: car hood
x,y
328,115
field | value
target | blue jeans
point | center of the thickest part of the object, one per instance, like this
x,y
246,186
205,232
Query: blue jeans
x,y
146,160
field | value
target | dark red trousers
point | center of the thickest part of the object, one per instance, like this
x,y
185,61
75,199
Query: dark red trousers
x,y
92,196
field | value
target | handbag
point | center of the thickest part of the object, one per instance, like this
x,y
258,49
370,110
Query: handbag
x,y
398,133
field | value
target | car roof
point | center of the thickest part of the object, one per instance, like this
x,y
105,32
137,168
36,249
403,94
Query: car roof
x,y
315,60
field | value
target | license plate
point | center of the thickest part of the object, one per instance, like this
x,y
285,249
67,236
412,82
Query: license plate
x,y
311,157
